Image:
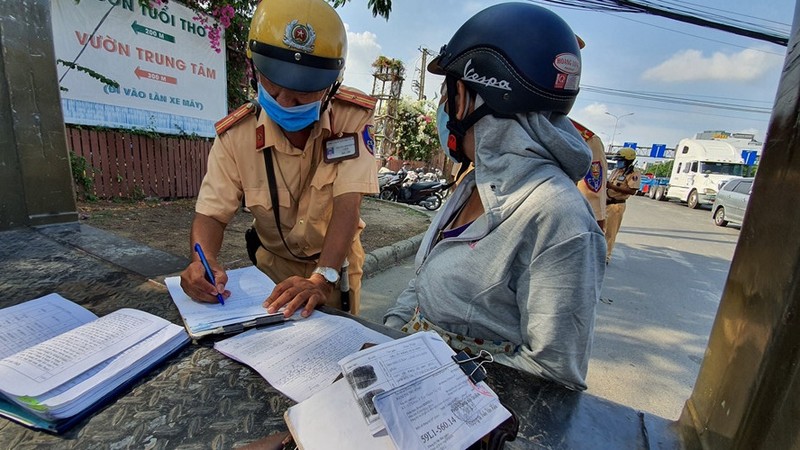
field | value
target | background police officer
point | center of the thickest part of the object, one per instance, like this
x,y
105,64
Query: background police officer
x,y
303,157
623,182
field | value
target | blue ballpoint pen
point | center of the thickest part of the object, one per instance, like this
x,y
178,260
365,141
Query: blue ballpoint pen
x,y
209,274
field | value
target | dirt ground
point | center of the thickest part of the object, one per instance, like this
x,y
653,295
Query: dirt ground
x,y
164,225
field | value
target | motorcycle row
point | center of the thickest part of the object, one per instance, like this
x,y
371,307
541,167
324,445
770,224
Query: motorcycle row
x,y
410,187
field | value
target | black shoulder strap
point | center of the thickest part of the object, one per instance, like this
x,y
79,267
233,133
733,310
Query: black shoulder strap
x,y
273,195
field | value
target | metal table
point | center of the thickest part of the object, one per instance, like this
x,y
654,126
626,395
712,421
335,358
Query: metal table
x,y
202,399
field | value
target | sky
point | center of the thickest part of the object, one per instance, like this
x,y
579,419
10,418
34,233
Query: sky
x,y
632,52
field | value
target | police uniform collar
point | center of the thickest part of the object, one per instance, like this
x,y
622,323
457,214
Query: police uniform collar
x,y
274,137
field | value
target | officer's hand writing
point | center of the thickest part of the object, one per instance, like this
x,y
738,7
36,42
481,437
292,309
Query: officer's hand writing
x,y
294,292
196,286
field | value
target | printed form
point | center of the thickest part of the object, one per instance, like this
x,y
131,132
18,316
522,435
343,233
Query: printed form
x,y
300,357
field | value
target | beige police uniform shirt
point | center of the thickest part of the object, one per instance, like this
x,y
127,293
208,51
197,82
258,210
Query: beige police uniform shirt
x,y
306,184
593,185
633,180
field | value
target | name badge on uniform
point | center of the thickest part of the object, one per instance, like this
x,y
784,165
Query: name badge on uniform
x,y
341,148
621,178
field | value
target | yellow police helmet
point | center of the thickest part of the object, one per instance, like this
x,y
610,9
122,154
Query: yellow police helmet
x,y
627,153
298,44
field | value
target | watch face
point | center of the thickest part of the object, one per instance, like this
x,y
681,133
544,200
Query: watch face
x,y
330,274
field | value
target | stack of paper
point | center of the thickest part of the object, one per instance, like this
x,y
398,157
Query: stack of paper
x,y
59,360
411,389
249,288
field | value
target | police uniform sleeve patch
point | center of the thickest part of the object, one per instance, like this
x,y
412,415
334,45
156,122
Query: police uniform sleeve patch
x,y
368,135
233,118
594,177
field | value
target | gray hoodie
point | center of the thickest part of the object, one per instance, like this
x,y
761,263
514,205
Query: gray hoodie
x,y
530,269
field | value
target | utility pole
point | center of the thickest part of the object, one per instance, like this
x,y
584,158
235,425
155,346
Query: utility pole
x,y
421,84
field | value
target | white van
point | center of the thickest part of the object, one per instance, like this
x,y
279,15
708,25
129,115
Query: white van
x,y
702,166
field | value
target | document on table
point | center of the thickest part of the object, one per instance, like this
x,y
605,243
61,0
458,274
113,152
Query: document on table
x,y
440,410
43,367
300,357
60,361
382,368
249,288
327,421
27,324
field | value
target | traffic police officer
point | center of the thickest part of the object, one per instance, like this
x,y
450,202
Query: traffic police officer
x,y
623,182
591,186
302,157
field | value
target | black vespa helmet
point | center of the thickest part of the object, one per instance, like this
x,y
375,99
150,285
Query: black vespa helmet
x,y
518,57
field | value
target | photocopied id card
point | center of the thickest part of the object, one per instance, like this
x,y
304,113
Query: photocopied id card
x,y
440,411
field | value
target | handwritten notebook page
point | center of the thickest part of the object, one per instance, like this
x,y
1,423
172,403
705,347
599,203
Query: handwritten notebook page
x,y
35,321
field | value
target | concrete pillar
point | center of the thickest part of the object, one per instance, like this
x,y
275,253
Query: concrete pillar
x,y
35,176
747,395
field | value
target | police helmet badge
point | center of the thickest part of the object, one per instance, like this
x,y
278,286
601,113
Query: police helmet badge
x,y
594,177
368,135
299,37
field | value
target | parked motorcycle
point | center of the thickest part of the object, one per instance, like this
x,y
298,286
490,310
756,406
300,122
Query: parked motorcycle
x,y
384,178
422,194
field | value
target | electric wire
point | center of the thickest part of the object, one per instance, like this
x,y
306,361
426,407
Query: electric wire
x,y
695,16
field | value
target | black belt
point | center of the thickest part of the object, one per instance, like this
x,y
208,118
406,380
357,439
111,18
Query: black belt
x,y
612,201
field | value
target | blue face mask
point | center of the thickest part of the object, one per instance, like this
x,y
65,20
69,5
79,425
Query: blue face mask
x,y
620,164
444,133
292,118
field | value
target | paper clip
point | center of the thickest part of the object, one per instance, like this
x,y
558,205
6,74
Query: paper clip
x,y
475,371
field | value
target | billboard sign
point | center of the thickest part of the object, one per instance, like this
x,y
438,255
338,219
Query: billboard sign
x,y
170,79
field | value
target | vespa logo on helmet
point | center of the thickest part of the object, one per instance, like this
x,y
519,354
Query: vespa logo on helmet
x,y
471,75
299,37
568,63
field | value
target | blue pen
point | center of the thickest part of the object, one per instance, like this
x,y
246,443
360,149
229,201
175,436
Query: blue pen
x,y
209,274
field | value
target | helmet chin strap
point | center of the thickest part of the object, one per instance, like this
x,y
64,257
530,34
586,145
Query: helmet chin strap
x,y
458,128
331,93
254,75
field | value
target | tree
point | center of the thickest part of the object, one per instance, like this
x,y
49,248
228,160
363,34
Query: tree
x,y
662,169
415,131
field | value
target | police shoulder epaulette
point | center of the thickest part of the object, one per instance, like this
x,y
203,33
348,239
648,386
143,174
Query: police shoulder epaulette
x,y
585,132
234,117
356,97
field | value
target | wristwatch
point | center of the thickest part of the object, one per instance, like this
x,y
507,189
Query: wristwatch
x,y
330,274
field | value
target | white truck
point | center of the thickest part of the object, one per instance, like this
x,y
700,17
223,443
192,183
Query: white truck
x,y
702,166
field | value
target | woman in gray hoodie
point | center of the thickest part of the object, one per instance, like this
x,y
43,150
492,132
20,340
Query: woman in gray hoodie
x,y
513,263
